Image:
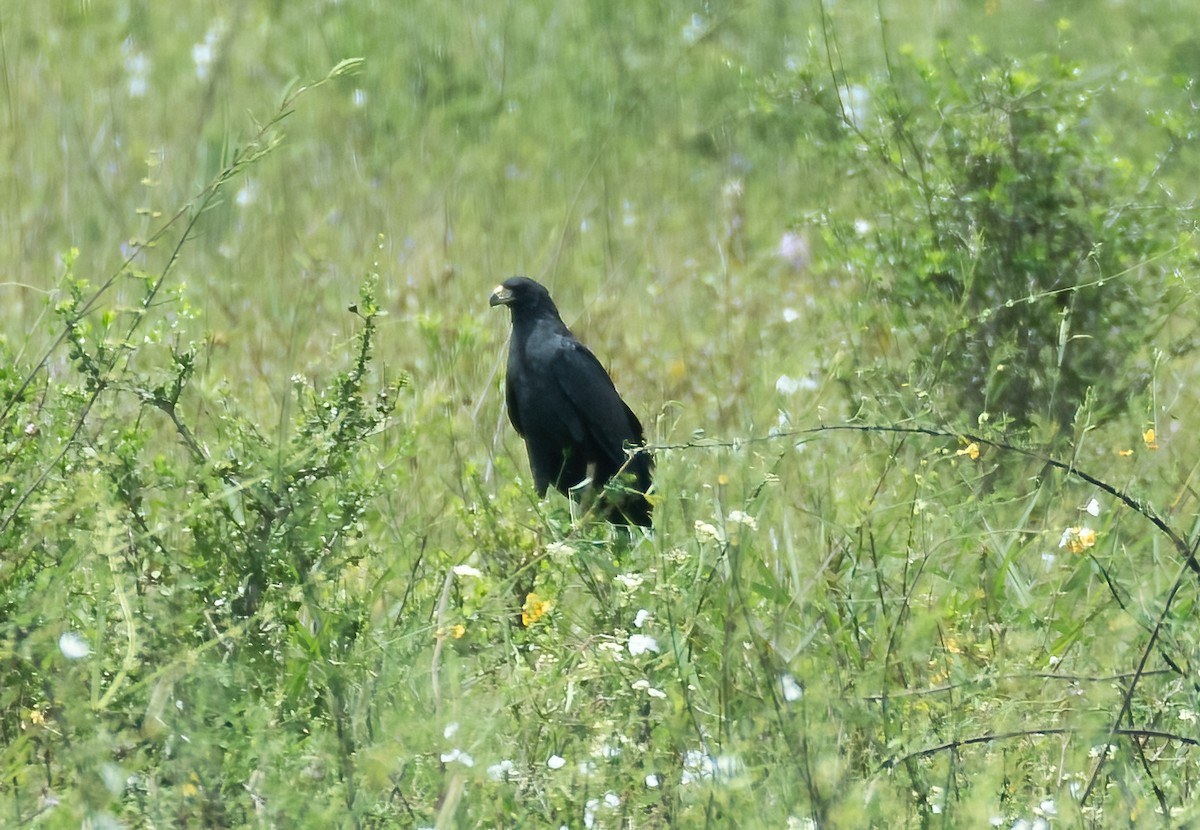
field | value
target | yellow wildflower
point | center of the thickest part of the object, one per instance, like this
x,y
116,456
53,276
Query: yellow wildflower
x,y
1150,439
534,609
971,451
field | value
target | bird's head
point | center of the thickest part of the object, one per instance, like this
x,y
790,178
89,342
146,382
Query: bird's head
x,y
522,295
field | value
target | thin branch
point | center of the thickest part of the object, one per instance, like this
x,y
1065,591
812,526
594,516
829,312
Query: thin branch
x,y
1139,506
1135,734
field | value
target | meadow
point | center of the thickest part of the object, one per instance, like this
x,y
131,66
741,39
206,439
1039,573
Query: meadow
x,y
904,294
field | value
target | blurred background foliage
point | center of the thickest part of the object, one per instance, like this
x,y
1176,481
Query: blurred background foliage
x,y
263,559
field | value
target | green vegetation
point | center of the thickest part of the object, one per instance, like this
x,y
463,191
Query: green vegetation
x,y
907,308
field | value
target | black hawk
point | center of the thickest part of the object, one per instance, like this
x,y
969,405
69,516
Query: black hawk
x,y
563,403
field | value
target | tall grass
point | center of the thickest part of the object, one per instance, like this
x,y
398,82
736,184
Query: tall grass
x,y
270,553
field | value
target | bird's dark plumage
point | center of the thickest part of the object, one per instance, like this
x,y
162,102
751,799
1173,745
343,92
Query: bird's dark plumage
x,y
564,404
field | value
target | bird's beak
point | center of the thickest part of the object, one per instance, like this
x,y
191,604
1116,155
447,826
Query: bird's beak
x,y
501,296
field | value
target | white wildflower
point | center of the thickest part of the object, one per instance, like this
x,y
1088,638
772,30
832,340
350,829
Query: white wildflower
x,y
743,518
73,647
247,194
642,643
457,755
630,581
501,771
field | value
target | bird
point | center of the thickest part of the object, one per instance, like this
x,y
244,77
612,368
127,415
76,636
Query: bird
x,y
563,403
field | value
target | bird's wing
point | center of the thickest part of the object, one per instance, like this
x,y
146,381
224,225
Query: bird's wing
x,y
607,419
511,398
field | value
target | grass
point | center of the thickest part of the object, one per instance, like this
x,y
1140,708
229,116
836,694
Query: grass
x,y
267,561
